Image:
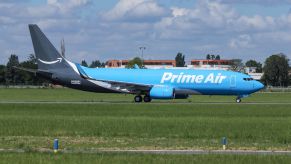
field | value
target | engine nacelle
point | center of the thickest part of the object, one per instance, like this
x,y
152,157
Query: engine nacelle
x,y
181,96
162,92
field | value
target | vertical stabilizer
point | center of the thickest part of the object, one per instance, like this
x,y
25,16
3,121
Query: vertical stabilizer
x,y
46,54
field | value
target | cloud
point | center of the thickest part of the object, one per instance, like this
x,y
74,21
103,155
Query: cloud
x,y
6,20
217,26
136,10
242,41
14,1
209,26
212,17
206,17
259,2
67,5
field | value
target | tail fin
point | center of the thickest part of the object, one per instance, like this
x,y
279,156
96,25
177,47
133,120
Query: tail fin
x,y
46,54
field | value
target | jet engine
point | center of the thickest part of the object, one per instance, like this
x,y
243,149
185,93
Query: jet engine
x,y
162,92
181,96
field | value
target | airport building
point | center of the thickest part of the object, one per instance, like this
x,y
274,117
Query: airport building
x,y
194,64
158,64
150,64
252,71
211,64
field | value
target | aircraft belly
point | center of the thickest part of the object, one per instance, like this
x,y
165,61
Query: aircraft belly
x,y
187,91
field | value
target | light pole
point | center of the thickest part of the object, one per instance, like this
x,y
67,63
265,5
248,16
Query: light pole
x,y
142,49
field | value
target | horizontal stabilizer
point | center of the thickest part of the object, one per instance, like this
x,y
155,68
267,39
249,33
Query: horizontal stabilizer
x,y
26,69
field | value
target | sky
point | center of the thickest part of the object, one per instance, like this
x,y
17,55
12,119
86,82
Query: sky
x,y
115,29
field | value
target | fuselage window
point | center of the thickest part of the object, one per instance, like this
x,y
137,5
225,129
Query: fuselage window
x,y
248,79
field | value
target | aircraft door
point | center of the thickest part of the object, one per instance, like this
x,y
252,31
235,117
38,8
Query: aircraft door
x,y
232,81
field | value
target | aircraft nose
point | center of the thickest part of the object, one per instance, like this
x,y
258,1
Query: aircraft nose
x,y
258,85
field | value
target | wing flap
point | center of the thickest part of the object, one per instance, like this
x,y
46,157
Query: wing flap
x,y
122,87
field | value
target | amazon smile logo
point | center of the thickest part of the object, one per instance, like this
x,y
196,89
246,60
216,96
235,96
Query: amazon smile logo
x,y
59,60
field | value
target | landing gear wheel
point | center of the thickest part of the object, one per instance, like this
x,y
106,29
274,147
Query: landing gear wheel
x,y
238,100
138,99
147,99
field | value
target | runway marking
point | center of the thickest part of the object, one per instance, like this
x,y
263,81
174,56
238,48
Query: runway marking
x,y
238,152
171,152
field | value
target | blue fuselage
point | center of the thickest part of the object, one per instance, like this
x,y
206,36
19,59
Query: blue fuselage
x,y
207,82
149,83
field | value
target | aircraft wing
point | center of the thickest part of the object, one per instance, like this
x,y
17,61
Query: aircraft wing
x,y
123,87
119,86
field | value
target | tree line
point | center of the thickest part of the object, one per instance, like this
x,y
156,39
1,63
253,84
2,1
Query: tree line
x,y
94,64
10,75
276,69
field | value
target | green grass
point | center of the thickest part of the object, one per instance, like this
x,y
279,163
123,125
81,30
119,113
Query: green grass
x,y
142,126
58,95
122,126
8,95
167,125
139,158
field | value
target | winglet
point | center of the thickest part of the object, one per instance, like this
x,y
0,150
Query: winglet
x,y
136,66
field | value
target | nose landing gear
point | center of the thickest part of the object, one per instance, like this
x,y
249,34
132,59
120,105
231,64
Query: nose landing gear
x,y
239,97
238,100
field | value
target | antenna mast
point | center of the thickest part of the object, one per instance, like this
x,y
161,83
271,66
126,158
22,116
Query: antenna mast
x,y
63,49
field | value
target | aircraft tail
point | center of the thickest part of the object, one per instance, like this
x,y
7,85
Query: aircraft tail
x,y
46,54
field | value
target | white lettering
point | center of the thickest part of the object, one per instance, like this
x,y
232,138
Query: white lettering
x,y
210,78
174,77
179,78
193,79
182,78
217,78
167,76
187,78
221,79
75,82
199,79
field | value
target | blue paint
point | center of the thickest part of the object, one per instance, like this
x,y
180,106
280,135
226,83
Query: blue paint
x,y
150,83
205,82
56,145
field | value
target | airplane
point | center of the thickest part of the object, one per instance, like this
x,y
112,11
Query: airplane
x,y
145,84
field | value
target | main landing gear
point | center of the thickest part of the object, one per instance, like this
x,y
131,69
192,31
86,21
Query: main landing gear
x,y
147,99
139,99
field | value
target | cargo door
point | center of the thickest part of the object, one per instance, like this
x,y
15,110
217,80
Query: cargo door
x,y
233,81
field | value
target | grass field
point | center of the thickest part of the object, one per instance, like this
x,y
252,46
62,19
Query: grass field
x,y
12,95
45,158
194,124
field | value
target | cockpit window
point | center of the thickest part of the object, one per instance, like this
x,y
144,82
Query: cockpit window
x,y
248,79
